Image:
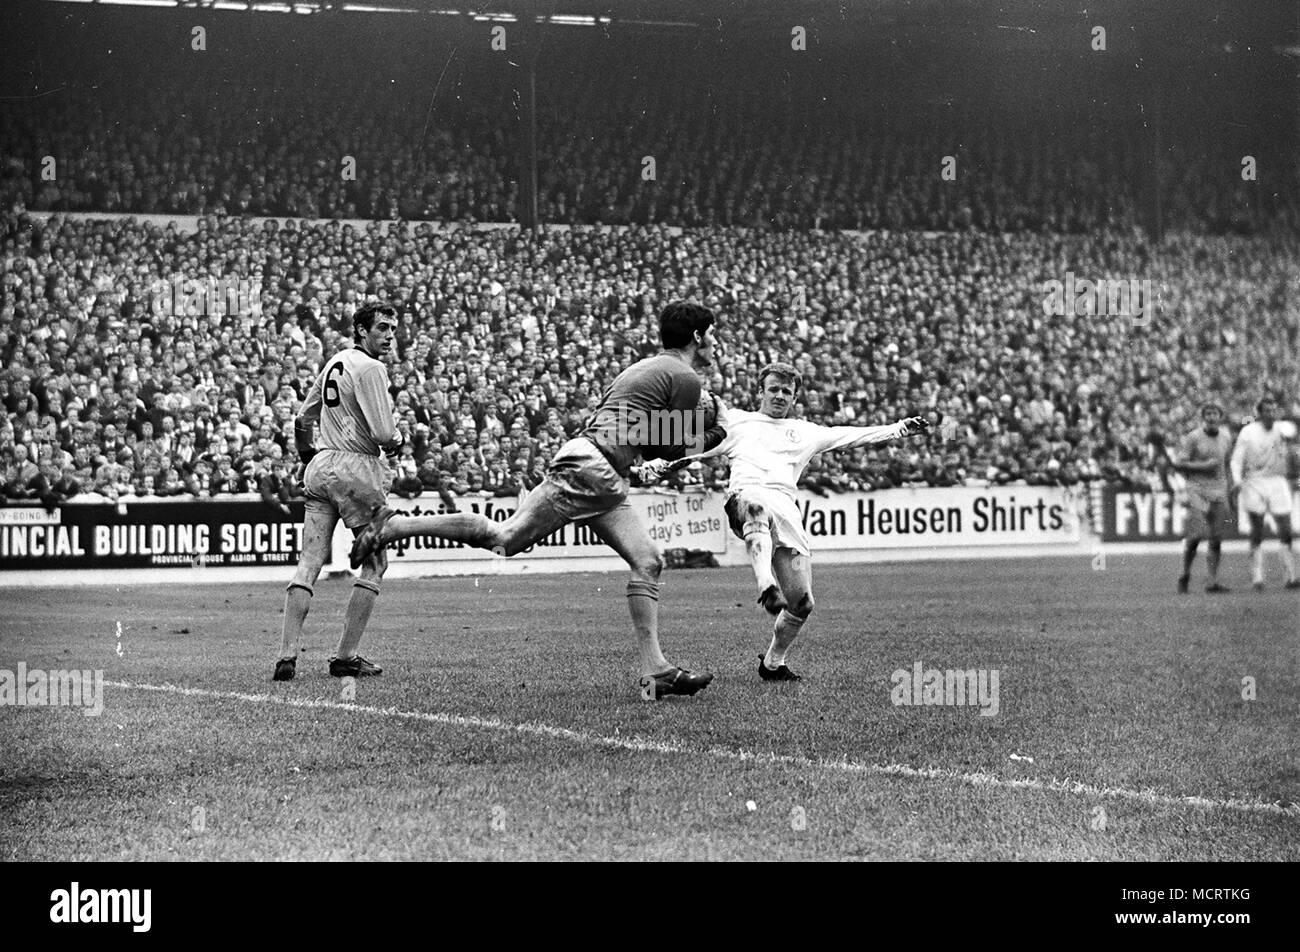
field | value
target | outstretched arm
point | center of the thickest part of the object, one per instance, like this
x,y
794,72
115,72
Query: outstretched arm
x,y
714,442
848,437
660,469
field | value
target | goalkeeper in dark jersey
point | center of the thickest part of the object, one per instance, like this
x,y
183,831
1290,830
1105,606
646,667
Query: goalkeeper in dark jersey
x,y
650,411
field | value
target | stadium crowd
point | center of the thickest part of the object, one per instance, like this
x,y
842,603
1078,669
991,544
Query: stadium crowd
x,y
506,341
817,224
752,152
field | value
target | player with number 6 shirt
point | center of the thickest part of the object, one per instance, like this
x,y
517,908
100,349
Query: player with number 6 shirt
x,y
345,477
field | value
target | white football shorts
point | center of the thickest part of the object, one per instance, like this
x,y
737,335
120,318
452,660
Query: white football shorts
x,y
783,516
1266,494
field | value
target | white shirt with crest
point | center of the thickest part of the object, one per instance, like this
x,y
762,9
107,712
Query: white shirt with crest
x,y
773,453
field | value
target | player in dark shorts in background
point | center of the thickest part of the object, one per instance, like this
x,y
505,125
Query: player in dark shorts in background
x,y
1203,462
346,478
588,481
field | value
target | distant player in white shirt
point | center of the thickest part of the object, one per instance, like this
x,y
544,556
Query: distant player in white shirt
x,y
768,454
1258,465
345,478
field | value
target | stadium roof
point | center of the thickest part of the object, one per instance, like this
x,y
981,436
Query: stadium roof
x,y
1194,26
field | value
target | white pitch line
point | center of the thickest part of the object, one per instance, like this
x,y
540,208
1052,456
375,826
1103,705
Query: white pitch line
x,y
643,746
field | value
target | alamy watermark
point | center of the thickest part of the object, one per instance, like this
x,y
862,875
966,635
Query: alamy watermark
x,y
57,688
924,686
179,296
667,428
77,905
1115,297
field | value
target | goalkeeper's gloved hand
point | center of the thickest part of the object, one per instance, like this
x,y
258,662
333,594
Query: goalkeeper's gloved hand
x,y
915,425
651,471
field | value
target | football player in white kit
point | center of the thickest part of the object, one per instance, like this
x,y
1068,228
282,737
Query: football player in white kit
x,y
768,453
1259,473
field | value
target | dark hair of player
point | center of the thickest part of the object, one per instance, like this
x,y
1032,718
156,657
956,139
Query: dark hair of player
x,y
679,321
1266,398
785,371
1211,407
364,319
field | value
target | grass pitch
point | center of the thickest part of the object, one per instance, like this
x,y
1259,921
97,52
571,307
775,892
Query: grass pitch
x,y
508,725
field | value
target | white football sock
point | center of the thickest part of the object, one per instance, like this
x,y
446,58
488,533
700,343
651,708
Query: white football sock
x,y
758,545
784,631
1257,565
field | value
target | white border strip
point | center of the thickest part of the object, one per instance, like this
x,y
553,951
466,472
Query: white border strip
x,y
641,745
